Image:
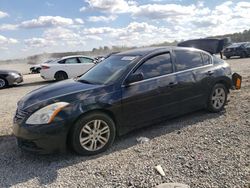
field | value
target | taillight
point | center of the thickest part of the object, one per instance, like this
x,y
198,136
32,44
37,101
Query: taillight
x,y
45,67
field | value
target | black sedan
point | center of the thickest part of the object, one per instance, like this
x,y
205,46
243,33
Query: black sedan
x,y
237,49
126,91
9,77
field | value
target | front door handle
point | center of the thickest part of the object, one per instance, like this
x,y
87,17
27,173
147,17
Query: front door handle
x,y
172,84
210,73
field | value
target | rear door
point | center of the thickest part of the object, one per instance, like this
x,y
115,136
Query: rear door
x,y
71,67
192,77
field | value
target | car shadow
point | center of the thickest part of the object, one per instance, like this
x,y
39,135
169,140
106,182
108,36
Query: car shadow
x,y
19,167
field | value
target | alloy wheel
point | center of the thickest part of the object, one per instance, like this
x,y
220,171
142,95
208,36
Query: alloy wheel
x,y
94,135
2,83
218,98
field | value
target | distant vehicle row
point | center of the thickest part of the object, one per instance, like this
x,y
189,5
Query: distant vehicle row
x,y
66,67
237,49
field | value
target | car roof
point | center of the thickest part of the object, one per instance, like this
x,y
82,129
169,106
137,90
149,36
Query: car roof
x,y
237,44
149,50
72,56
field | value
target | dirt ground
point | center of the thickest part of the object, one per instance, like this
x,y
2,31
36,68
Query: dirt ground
x,y
200,149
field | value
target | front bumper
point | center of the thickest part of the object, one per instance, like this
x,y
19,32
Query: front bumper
x,y
42,139
15,80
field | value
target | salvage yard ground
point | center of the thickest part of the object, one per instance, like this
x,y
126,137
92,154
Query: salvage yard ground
x,y
200,149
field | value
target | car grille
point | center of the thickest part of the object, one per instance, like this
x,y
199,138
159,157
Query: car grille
x,y
20,116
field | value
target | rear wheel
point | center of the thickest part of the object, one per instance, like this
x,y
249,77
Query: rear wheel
x,y
3,83
61,76
217,98
92,134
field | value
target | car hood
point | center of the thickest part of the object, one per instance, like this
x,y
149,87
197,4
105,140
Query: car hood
x,y
8,71
61,91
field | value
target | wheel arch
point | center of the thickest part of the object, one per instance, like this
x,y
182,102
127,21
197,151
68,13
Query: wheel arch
x,y
6,81
226,82
60,71
103,111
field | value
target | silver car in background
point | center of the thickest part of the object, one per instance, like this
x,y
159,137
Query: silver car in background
x,y
9,77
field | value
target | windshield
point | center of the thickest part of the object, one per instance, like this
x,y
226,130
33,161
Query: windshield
x,y
108,71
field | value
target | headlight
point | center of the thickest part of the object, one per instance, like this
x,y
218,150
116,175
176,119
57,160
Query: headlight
x,y
15,75
46,114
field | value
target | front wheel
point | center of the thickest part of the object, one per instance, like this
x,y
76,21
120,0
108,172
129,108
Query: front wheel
x,y
217,98
3,83
61,76
92,134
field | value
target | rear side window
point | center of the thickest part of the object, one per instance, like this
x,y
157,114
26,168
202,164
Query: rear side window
x,y
206,59
187,60
85,60
156,66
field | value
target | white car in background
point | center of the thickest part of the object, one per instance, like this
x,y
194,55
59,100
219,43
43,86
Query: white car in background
x,y
66,67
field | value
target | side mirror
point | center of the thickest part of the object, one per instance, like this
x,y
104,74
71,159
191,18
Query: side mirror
x,y
134,78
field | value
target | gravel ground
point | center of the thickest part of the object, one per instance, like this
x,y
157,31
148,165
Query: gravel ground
x,y
10,96
200,149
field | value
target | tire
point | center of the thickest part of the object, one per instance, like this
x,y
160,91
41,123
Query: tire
x,y
228,57
3,83
61,76
243,55
92,142
217,98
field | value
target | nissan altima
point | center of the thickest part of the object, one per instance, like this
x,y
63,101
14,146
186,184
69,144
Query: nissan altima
x,y
124,92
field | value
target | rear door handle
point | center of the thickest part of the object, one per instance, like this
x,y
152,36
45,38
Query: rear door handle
x,y
172,84
210,73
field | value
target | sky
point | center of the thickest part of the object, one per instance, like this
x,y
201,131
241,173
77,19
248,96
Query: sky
x,y
29,27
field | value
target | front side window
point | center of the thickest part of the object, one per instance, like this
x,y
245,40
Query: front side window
x,y
85,60
71,61
186,59
156,66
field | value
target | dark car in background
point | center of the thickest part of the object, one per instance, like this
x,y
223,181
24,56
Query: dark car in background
x,y
126,91
9,77
237,49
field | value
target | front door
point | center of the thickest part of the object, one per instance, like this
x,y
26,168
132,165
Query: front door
x,y
143,102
